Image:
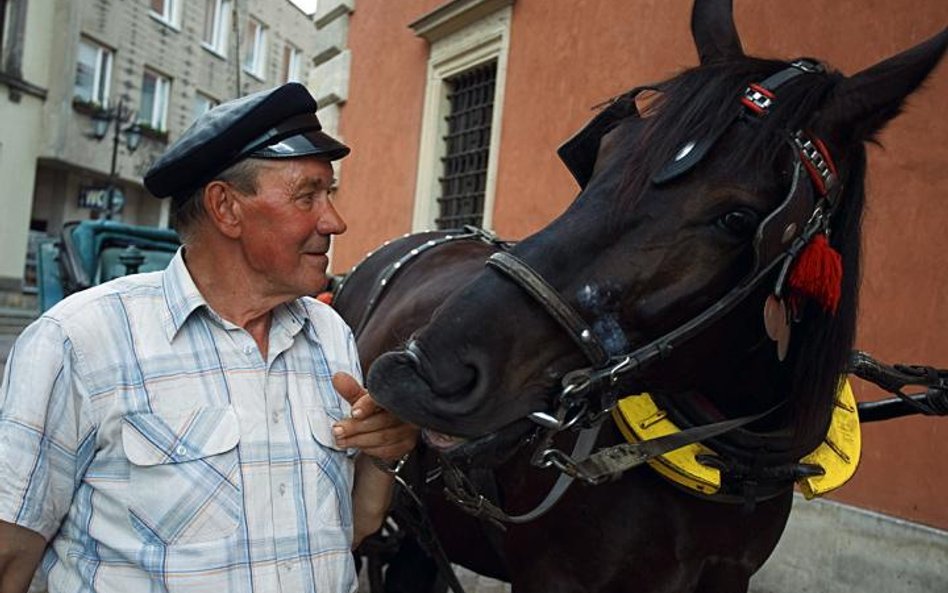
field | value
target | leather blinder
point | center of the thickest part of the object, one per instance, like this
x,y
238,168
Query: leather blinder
x,y
580,152
786,223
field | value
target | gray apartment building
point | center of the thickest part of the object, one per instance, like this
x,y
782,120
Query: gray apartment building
x,y
143,66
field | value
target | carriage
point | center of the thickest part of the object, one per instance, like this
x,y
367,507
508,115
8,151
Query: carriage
x,y
91,252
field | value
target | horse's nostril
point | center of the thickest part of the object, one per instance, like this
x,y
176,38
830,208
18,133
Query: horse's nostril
x,y
413,353
455,380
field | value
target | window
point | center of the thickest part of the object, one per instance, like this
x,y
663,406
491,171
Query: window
x,y
93,73
4,20
165,10
290,71
256,48
461,119
216,25
153,111
467,147
203,104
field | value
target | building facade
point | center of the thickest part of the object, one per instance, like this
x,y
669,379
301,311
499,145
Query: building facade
x,y
26,42
154,64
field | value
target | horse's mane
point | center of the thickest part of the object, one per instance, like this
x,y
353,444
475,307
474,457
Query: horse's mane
x,y
703,100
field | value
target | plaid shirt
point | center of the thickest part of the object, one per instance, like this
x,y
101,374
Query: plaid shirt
x,y
150,442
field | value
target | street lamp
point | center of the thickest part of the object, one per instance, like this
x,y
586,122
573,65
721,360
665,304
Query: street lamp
x,y
101,121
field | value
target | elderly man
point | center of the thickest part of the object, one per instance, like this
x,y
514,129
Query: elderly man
x,y
202,428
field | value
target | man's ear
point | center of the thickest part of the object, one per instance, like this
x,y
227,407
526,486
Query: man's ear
x,y
222,208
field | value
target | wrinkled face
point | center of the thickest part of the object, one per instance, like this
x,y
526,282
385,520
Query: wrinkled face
x,y
287,225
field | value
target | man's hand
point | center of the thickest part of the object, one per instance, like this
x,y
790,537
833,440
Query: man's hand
x,y
371,428
378,434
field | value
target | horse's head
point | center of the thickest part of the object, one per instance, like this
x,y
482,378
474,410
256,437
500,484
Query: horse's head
x,y
680,250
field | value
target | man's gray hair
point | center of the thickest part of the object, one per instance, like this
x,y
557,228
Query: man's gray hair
x,y
188,211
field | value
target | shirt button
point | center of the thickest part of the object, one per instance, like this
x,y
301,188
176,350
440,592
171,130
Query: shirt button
x,y
281,489
182,451
276,417
248,349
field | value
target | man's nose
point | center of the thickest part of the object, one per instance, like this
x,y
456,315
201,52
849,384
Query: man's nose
x,y
330,221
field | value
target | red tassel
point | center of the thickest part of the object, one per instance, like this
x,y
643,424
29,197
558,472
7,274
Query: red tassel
x,y
817,274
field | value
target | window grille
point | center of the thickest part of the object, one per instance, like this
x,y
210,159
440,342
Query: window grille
x,y
467,147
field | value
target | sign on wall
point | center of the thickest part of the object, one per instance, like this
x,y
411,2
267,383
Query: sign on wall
x,y
97,198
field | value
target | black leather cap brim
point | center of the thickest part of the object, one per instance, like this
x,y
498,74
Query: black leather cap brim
x,y
283,118
310,143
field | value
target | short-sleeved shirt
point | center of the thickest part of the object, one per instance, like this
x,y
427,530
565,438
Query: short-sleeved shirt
x,y
150,443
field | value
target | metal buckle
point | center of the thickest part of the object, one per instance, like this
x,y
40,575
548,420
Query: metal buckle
x,y
808,66
815,158
760,101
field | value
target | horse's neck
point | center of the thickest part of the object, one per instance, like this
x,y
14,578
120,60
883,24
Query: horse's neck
x,y
755,383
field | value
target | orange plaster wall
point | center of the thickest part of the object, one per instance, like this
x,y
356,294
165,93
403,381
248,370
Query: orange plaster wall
x,y
568,55
381,121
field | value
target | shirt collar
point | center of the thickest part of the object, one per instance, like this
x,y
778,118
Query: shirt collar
x,y
182,296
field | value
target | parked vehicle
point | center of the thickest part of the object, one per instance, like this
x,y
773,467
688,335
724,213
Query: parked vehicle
x,y
91,252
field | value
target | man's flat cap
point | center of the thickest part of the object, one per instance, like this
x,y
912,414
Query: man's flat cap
x,y
276,123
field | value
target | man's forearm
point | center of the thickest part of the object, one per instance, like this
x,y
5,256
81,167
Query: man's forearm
x,y
20,552
371,497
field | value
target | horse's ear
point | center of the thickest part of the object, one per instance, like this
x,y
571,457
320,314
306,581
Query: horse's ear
x,y
712,26
861,105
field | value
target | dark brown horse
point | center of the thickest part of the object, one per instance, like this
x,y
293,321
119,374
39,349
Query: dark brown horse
x,y
678,270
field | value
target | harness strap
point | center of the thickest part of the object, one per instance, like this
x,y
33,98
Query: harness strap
x,y
608,463
458,487
428,536
527,278
470,232
933,402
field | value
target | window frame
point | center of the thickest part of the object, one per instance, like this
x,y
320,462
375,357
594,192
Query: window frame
x,y
208,100
471,43
219,28
290,68
162,90
257,50
5,13
170,14
101,83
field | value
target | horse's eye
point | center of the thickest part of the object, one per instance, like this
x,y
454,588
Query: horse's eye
x,y
739,222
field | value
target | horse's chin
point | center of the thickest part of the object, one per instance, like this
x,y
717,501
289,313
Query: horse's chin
x,y
441,442
488,450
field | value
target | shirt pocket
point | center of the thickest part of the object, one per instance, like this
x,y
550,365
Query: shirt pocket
x,y
334,471
184,478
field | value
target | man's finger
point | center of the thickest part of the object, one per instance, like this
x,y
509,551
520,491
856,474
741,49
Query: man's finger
x,y
347,386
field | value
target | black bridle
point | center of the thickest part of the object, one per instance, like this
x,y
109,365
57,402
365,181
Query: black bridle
x,y
804,212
